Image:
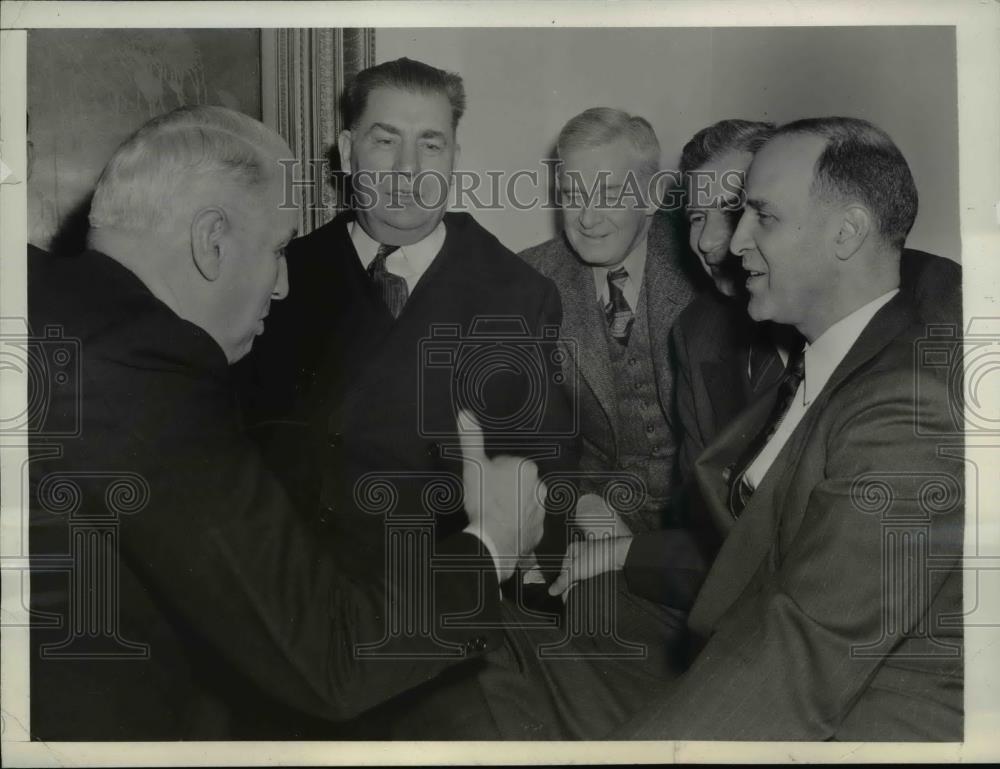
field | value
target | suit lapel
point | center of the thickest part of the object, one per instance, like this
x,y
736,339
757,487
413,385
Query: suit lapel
x,y
668,291
752,536
712,466
725,397
583,330
761,360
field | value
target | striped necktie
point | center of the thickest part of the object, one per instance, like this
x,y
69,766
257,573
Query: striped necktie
x,y
392,288
617,310
739,488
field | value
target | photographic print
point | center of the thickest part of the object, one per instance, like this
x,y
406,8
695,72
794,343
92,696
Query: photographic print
x,y
430,382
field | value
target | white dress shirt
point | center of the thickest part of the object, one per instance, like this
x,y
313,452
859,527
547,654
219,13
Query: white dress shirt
x,y
409,262
635,266
822,357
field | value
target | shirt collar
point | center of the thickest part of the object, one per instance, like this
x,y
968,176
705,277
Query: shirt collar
x,y
825,354
417,256
634,264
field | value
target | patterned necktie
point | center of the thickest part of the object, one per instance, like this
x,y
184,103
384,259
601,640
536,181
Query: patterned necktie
x,y
617,310
392,288
739,488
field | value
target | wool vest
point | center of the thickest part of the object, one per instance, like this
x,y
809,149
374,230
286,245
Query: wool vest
x,y
644,438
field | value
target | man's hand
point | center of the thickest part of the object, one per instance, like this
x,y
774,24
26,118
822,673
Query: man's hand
x,y
503,497
595,516
589,557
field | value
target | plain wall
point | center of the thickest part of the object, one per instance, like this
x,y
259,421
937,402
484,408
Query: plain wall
x,y
524,84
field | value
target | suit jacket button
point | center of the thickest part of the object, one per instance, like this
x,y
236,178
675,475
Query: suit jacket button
x,y
480,644
335,440
433,450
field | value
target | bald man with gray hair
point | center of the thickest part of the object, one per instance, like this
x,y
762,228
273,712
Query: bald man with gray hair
x,y
191,601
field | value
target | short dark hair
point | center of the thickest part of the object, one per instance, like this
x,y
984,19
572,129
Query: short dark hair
x,y
860,161
722,137
406,75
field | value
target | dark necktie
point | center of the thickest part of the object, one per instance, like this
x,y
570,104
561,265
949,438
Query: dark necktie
x,y
739,488
617,310
392,288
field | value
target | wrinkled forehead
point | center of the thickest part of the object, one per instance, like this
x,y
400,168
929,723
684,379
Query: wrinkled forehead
x,y
611,164
400,107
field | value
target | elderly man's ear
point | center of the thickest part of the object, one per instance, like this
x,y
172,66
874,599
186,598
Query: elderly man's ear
x,y
208,229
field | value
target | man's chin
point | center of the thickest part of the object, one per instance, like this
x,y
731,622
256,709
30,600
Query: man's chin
x,y
242,352
417,223
595,257
757,309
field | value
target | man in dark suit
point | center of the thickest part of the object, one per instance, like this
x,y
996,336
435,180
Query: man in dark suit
x,y
176,595
723,359
400,314
833,610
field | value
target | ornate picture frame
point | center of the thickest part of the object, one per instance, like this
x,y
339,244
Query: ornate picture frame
x,y
303,72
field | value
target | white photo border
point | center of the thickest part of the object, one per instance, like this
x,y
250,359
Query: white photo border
x,y
977,26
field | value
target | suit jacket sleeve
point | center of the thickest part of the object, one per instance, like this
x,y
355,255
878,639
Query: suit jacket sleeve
x,y
785,661
666,566
221,546
689,435
558,439
551,441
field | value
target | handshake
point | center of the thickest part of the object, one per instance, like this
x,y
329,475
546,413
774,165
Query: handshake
x,y
503,496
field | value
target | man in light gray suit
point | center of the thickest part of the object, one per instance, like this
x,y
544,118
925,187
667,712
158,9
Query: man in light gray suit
x,y
617,265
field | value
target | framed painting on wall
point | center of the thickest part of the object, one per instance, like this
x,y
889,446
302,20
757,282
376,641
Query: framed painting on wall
x,y
89,89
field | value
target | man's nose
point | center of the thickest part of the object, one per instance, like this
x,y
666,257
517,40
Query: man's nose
x,y
407,159
714,236
589,215
742,241
281,282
